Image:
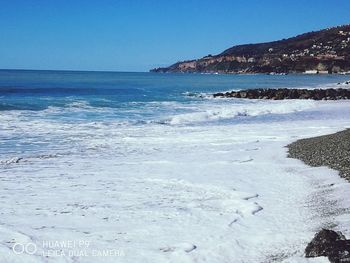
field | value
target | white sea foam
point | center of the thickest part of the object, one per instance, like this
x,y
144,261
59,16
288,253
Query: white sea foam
x,y
172,193
75,106
231,110
345,84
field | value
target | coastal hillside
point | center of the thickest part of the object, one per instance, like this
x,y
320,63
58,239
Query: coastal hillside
x,y
324,51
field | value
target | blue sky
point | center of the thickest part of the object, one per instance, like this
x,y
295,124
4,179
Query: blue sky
x,y
135,35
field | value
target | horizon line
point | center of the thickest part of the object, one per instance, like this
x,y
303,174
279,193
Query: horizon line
x,y
72,70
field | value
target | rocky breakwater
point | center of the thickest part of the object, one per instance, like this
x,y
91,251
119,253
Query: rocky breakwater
x,y
281,94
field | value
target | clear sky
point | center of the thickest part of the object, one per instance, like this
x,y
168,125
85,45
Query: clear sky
x,y
135,35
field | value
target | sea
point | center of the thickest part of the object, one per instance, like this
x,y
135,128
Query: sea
x,y
149,167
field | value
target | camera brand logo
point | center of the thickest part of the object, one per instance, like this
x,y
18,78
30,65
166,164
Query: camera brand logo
x,y
65,248
29,248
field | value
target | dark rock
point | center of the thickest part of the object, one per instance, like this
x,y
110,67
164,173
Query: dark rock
x,y
243,94
220,94
331,244
322,243
281,94
341,252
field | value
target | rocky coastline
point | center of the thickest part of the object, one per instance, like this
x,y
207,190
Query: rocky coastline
x,y
321,52
281,94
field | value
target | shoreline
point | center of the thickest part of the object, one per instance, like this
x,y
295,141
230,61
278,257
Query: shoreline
x,y
331,150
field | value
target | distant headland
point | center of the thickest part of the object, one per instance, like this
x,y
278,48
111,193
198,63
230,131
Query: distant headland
x,y
322,52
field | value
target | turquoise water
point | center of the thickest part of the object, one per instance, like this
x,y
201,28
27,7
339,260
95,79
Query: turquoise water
x,y
33,102
38,90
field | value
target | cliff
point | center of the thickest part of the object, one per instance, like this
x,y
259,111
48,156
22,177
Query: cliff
x,y
324,51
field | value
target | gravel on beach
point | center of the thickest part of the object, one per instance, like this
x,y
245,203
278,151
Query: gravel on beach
x,y
330,150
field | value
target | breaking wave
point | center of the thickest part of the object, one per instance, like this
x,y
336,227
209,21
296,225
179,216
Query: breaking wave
x,y
232,111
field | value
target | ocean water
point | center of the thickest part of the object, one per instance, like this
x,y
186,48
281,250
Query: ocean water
x,y
39,90
151,167
134,99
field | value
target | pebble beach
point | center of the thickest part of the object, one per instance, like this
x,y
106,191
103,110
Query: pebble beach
x,y
330,150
